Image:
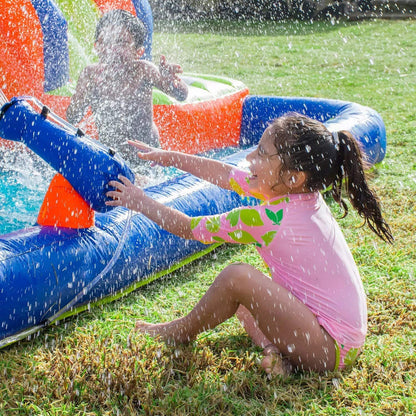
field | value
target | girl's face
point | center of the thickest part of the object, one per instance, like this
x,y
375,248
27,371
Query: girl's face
x,y
265,166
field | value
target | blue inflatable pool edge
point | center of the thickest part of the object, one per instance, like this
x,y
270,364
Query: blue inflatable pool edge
x,y
47,273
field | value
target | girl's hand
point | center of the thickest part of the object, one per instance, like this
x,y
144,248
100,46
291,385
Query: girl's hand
x,y
153,154
126,194
134,198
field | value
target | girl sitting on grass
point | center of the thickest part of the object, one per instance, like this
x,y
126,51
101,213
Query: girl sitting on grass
x,y
311,314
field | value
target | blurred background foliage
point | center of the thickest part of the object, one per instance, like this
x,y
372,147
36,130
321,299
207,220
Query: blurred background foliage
x,y
266,10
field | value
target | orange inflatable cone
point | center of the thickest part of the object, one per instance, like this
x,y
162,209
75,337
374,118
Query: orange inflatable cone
x,y
64,207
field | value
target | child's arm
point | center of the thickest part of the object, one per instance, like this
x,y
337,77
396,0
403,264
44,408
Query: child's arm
x,y
134,198
210,170
79,101
168,81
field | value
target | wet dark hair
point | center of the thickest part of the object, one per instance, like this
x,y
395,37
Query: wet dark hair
x,y
332,161
123,18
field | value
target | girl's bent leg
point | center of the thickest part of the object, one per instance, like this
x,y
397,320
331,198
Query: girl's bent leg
x,y
251,327
272,362
280,316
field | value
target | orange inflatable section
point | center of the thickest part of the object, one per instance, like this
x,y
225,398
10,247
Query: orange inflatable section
x,y
64,207
198,127
194,127
21,67
106,5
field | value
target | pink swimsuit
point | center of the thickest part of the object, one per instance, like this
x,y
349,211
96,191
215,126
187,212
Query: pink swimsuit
x,y
305,250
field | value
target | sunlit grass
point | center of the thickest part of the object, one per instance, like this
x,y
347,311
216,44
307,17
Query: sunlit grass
x,y
93,363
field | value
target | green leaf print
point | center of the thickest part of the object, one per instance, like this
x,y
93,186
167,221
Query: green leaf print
x,y
233,217
195,221
268,237
279,201
251,217
213,224
242,236
276,218
351,357
218,239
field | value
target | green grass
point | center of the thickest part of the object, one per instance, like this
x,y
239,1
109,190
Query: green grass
x,y
93,365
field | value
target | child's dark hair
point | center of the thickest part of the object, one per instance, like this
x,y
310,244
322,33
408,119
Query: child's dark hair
x,y
123,18
329,159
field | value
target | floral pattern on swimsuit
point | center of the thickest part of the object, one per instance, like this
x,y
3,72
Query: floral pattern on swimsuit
x,y
246,225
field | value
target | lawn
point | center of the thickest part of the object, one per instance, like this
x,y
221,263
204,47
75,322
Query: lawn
x,y
93,364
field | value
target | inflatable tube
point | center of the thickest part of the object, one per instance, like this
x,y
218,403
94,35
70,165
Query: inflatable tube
x,y
85,163
210,118
45,269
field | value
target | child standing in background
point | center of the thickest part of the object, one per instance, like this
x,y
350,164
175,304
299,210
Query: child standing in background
x,y
119,87
311,312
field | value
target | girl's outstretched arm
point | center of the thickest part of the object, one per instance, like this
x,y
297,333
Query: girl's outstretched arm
x,y
134,198
210,170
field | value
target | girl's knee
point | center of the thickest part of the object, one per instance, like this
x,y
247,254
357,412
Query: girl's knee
x,y
235,273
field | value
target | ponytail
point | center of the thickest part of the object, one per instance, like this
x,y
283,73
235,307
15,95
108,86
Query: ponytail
x,y
331,161
363,199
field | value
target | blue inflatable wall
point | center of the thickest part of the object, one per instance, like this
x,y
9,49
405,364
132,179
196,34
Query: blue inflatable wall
x,y
365,124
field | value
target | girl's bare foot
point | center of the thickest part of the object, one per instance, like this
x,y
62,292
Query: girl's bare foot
x,y
273,363
169,332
